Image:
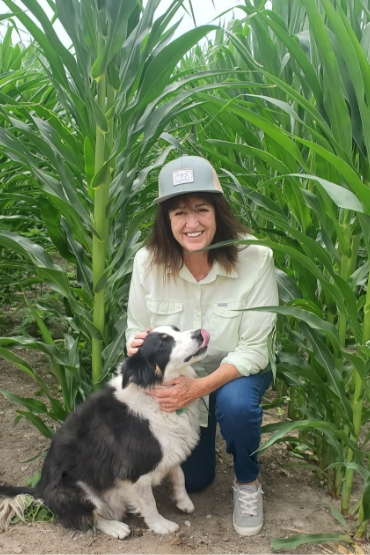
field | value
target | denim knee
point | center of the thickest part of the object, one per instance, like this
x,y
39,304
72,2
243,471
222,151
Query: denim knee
x,y
238,402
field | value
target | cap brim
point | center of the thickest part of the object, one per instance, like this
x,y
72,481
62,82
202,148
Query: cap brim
x,y
159,200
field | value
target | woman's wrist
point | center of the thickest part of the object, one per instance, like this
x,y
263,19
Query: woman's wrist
x,y
203,387
224,374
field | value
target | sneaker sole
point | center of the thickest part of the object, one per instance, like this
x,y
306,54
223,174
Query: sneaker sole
x,y
247,531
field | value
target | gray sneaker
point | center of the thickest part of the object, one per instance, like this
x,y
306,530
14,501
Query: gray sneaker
x,y
248,509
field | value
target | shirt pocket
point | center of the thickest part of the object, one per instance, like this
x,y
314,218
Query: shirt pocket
x,y
165,313
225,325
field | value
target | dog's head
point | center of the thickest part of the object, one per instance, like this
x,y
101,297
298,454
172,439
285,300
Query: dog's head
x,y
164,355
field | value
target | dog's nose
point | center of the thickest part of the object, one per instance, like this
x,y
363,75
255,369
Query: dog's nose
x,y
202,336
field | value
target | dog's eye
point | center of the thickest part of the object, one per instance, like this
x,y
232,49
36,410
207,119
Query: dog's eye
x,y
175,328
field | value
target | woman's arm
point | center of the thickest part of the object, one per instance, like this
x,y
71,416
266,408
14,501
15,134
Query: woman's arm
x,y
251,354
181,391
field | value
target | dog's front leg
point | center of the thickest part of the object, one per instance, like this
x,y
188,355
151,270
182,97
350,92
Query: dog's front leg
x,y
113,528
148,507
183,501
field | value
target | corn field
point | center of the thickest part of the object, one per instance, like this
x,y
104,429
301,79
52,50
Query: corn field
x,y
279,102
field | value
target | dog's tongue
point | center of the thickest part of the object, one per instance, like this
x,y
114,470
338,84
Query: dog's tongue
x,y
206,338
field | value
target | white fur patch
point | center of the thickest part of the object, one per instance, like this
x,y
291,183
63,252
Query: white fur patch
x,y
177,434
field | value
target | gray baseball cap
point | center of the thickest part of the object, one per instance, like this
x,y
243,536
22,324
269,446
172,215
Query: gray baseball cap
x,y
188,174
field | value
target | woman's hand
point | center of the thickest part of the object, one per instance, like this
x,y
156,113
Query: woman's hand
x,y
177,393
137,341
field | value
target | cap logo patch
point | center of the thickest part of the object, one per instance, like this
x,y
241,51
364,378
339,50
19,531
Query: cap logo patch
x,y
182,176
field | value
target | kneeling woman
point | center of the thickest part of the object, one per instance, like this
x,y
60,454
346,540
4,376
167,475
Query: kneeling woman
x,y
175,284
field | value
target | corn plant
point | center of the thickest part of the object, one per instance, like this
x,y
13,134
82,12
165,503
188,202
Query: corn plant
x,y
84,146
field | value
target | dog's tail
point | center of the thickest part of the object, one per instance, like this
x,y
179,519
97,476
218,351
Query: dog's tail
x,y
14,502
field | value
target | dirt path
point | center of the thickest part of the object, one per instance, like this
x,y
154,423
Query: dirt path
x,y
294,499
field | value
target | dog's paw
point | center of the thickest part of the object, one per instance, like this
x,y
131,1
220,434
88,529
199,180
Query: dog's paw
x,y
114,528
163,526
185,505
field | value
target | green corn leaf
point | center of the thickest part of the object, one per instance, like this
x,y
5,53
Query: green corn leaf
x,y
115,349
118,13
333,98
311,319
327,361
84,273
161,66
51,217
42,327
38,423
339,517
39,257
285,429
33,405
8,355
316,539
347,39
366,501
288,288
362,471
44,41
341,196
100,118
275,22
358,362
30,343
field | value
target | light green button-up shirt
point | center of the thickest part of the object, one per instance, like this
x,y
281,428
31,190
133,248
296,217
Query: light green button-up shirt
x,y
215,304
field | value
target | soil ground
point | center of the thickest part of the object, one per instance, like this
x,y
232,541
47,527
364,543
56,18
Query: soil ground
x,y
295,501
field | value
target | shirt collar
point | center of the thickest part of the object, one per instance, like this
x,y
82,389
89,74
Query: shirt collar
x,y
216,270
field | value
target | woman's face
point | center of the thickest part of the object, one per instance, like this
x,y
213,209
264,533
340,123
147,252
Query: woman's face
x,y
193,223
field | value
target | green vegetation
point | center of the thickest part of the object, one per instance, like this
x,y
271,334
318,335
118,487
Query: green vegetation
x,y
32,510
279,102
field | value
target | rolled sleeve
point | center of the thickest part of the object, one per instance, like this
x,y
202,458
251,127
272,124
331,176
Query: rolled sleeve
x,y
251,354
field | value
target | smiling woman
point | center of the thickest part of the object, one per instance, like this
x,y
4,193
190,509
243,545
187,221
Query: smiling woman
x,y
177,281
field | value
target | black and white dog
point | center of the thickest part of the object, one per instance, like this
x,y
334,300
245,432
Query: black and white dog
x,y
107,455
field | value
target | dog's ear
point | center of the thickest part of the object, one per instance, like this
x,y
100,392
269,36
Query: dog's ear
x,y
140,371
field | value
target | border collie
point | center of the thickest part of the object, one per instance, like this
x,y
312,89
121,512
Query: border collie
x,y
109,452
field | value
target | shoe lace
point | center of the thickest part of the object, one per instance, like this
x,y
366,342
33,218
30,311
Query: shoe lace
x,y
248,502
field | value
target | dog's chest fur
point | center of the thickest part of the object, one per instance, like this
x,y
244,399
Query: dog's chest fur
x,y
176,433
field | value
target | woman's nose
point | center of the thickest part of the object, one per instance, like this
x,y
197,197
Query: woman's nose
x,y
192,220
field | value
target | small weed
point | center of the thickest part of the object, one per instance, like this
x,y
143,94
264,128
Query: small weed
x,y
94,527
34,511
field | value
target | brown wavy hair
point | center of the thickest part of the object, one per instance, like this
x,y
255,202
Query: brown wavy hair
x,y
165,250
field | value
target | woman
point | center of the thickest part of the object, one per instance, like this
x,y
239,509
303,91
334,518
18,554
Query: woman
x,y
175,282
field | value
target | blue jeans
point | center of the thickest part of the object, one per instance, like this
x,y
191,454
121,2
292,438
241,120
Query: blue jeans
x,y
236,408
